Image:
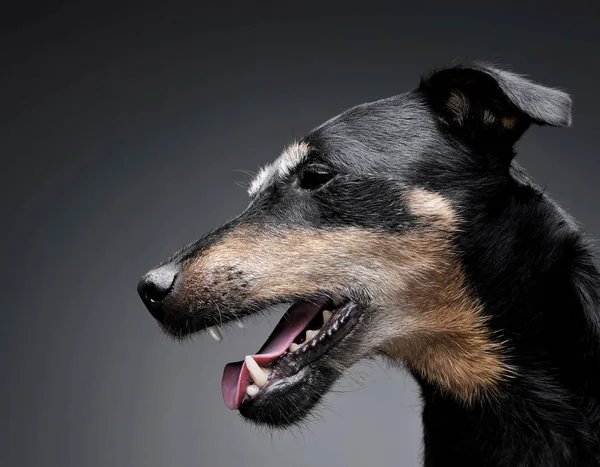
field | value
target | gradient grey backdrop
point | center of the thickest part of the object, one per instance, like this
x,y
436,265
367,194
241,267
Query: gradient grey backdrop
x,y
123,131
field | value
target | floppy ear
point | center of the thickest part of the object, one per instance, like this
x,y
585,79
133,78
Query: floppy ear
x,y
490,108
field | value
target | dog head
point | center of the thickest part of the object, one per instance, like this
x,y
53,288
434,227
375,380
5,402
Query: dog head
x,y
357,227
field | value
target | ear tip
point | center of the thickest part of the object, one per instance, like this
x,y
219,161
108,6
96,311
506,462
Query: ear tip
x,y
545,105
559,108
568,121
568,109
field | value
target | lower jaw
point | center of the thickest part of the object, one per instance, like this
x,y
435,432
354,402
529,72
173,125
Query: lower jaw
x,y
281,407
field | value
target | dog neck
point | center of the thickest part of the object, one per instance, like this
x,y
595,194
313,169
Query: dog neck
x,y
535,275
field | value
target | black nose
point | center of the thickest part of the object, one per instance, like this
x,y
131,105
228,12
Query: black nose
x,y
155,286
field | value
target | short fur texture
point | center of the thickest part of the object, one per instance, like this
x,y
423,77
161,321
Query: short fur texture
x,y
413,210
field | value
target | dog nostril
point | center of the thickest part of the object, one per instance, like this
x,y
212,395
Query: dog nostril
x,y
155,293
155,286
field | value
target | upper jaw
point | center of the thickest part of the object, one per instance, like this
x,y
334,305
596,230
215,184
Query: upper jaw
x,y
183,323
211,321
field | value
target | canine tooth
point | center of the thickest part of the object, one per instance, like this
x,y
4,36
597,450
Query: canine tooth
x,y
294,347
326,316
259,375
215,333
239,324
252,390
337,302
310,334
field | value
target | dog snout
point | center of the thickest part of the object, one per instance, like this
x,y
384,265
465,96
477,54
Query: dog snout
x,y
155,286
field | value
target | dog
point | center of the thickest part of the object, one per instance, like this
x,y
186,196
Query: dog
x,y
403,228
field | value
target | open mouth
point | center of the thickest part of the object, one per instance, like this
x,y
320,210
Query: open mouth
x,y
305,333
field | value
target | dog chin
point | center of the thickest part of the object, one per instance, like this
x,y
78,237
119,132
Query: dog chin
x,y
284,405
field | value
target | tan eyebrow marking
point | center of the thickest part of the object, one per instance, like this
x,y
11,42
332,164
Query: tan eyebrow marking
x,y
291,157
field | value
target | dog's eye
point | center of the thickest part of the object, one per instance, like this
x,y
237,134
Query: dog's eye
x,y
313,178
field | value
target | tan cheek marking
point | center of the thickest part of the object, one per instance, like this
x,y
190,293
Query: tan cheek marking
x,y
426,317
443,336
432,208
444,339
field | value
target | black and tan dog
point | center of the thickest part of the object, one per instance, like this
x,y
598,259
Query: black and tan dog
x,y
403,228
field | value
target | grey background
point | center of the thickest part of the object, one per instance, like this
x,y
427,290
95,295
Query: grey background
x,y
123,133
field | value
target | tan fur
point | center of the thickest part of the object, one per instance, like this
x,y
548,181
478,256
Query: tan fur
x,y
447,343
509,122
422,313
432,208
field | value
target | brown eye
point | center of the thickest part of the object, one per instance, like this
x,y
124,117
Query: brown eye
x,y
313,178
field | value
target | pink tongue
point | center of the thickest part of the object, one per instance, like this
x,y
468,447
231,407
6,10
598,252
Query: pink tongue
x,y
236,377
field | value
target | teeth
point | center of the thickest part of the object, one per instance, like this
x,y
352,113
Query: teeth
x,y
310,334
239,324
294,347
259,375
252,390
215,333
326,316
337,302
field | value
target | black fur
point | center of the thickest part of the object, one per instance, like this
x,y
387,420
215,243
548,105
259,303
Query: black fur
x,y
524,257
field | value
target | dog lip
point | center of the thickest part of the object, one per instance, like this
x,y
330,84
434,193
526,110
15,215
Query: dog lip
x,y
184,322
